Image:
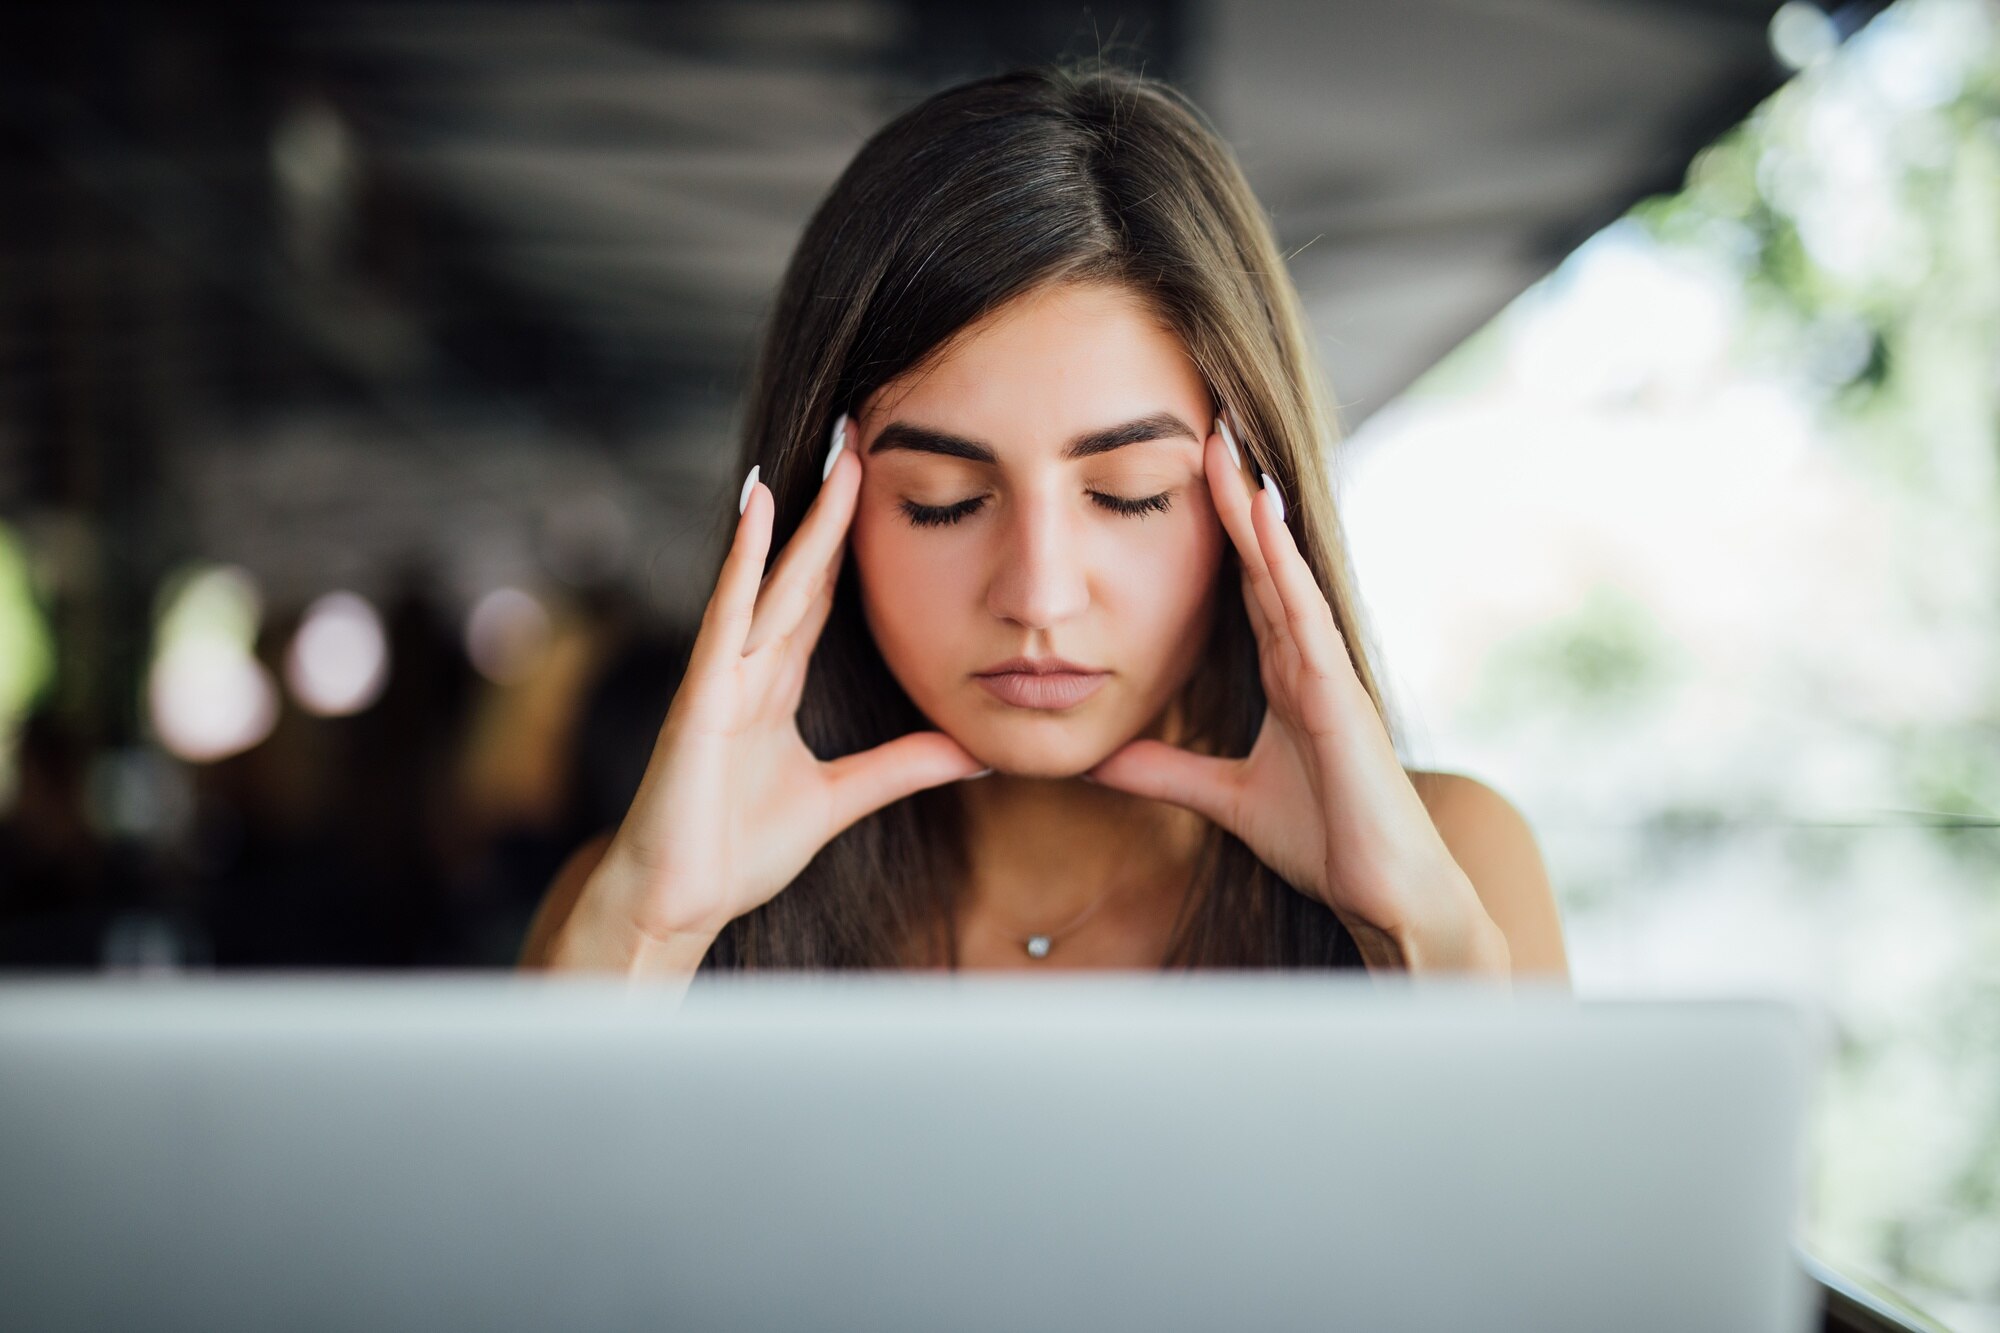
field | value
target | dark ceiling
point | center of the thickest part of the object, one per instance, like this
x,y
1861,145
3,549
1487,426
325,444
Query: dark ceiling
x,y
325,288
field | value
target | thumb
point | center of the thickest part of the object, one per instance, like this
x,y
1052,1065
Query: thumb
x,y
863,783
1162,772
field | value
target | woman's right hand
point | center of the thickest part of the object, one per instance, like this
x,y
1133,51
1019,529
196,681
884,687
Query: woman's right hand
x,y
733,803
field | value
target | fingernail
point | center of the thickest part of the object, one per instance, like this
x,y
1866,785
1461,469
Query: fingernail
x,y
980,774
743,500
839,443
1229,442
1277,497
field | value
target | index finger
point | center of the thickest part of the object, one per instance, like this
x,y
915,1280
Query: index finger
x,y
1233,492
807,557
726,619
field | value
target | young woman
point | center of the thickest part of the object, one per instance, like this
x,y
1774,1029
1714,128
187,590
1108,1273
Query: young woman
x,y
1038,366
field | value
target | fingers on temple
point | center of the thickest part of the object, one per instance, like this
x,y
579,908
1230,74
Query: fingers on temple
x,y
1233,491
726,620
803,566
807,634
799,646
1301,605
1260,628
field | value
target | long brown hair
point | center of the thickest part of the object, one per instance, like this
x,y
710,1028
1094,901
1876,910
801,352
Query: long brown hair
x,y
1077,171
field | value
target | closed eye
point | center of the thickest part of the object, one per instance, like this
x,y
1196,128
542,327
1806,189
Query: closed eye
x,y
937,516
1152,504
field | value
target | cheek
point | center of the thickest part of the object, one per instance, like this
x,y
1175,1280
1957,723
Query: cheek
x,y
906,591
1169,581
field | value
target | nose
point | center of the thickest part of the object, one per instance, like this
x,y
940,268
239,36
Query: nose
x,y
1039,579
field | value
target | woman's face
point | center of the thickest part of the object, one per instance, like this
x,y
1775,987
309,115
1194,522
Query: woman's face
x,y
991,526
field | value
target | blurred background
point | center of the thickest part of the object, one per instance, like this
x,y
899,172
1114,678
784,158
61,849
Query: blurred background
x,y
371,377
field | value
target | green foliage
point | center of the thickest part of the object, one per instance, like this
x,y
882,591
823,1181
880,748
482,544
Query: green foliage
x,y
27,654
1857,216
1608,656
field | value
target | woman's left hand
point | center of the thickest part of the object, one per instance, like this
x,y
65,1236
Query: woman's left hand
x,y
1322,797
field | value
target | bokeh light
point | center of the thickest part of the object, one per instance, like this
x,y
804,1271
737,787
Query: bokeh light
x,y
27,659
207,695
338,661
506,635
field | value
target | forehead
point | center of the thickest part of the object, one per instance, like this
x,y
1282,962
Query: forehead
x,y
1053,360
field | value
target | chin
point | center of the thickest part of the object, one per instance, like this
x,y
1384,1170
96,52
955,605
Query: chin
x,y
1036,747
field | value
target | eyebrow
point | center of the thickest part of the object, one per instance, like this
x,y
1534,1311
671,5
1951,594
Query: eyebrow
x,y
924,440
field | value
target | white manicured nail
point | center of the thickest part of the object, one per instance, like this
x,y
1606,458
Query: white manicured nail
x,y
1229,442
743,500
1275,496
980,774
839,443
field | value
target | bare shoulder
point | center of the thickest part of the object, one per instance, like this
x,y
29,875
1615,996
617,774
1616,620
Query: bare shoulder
x,y
1495,847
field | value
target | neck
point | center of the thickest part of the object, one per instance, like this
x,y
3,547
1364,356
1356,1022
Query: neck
x,y
1040,851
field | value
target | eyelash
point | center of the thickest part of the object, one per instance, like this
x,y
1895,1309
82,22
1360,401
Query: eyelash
x,y
932,516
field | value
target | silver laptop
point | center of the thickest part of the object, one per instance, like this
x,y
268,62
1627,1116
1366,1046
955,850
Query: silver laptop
x,y
898,1152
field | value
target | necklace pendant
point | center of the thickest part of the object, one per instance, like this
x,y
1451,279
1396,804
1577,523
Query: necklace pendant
x,y
1038,946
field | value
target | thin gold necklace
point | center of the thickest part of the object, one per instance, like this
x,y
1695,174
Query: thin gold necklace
x,y
1037,946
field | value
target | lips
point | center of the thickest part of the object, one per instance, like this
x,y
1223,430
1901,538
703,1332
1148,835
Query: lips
x,y
1045,683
